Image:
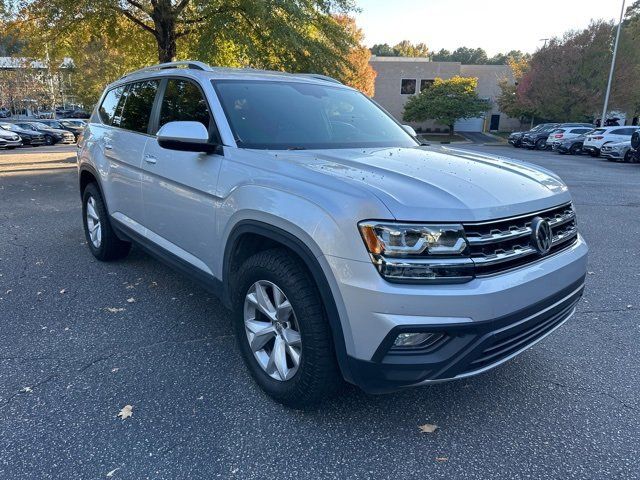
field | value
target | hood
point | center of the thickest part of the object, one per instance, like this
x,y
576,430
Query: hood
x,y
439,183
8,135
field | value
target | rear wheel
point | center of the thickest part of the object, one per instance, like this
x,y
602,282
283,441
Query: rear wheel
x,y
102,240
282,330
541,144
594,153
575,149
628,157
48,139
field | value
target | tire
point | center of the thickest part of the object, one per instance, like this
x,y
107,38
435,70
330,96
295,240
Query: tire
x,y
575,149
594,153
541,144
628,157
49,140
316,376
109,247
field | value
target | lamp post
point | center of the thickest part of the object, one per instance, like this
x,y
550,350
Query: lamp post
x,y
613,66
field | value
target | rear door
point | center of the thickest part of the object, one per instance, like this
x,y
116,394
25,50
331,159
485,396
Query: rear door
x,y
123,144
178,188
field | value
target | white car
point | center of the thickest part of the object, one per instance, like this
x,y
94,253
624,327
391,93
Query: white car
x,y
9,139
617,152
565,133
602,136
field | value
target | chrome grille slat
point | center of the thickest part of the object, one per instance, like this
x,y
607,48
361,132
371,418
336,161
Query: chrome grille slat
x,y
506,243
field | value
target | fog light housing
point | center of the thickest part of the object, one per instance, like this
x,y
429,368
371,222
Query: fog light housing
x,y
413,340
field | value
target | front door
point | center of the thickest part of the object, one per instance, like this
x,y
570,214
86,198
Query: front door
x,y
495,122
178,188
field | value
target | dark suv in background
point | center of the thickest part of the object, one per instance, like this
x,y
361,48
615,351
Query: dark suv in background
x,y
538,139
515,138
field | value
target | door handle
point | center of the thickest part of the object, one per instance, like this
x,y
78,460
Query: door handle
x,y
150,159
108,146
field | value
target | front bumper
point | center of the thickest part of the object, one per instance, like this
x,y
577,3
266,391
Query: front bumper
x,y
613,155
11,143
485,322
591,149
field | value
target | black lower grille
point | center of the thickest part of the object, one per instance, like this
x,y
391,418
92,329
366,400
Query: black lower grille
x,y
516,338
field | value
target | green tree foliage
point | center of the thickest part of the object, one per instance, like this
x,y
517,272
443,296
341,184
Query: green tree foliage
x,y
107,38
477,56
402,49
280,32
446,101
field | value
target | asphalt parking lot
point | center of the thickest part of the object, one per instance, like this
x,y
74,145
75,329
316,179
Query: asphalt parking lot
x,y
82,339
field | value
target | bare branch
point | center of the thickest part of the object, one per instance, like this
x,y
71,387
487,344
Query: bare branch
x,y
138,22
139,6
181,6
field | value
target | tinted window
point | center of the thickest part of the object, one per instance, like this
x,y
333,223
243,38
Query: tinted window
x,y
425,84
109,105
292,115
183,101
408,86
621,131
138,105
598,131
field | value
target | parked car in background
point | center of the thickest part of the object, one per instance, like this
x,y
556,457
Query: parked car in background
x,y
515,138
51,135
617,152
9,139
602,136
635,146
64,125
565,133
74,121
571,146
29,137
538,139
78,114
5,113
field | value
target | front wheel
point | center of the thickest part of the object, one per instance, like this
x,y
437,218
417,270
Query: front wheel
x,y
48,139
282,330
102,240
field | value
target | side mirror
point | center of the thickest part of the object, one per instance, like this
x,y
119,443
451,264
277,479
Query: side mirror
x,y
409,129
186,137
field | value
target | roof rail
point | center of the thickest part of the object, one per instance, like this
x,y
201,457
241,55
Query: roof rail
x,y
190,64
318,76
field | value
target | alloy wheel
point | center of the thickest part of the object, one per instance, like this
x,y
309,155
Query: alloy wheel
x,y
93,223
272,330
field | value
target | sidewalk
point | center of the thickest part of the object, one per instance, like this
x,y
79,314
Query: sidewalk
x,y
15,161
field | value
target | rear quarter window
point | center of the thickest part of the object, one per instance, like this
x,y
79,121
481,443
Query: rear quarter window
x,y
109,105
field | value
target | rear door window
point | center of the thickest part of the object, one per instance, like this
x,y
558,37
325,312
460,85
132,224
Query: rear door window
x,y
138,104
109,105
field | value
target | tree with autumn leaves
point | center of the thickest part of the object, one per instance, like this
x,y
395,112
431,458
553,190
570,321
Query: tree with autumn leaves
x,y
566,79
107,38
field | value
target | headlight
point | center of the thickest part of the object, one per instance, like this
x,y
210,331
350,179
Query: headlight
x,y
418,253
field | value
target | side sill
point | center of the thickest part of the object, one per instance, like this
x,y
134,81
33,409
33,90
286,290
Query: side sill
x,y
209,282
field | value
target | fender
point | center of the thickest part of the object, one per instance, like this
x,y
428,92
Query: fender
x,y
311,262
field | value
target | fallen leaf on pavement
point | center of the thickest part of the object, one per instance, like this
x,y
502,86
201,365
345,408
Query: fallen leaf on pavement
x,y
427,428
131,300
63,290
26,390
112,472
114,370
114,309
441,459
126,412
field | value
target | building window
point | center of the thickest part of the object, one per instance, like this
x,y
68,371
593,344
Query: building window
x,y
425,84
408,86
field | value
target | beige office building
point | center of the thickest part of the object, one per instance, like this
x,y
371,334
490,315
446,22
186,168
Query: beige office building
x,y
401,77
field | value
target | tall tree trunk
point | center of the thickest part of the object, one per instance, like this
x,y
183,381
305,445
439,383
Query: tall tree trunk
x,y
164,20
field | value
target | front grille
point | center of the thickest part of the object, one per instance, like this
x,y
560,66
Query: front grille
x,y
516,338
501,245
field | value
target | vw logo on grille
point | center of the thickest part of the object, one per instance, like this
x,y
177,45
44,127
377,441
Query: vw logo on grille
x,y
541,235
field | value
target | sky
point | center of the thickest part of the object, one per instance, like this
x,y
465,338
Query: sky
x,y
495,25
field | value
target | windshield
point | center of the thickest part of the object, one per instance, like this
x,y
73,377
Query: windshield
x,y
40,125
292,115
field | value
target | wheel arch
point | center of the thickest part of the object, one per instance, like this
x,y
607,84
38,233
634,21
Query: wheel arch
x,y
269,236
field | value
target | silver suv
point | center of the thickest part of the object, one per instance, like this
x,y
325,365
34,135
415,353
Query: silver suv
x,y
344,247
